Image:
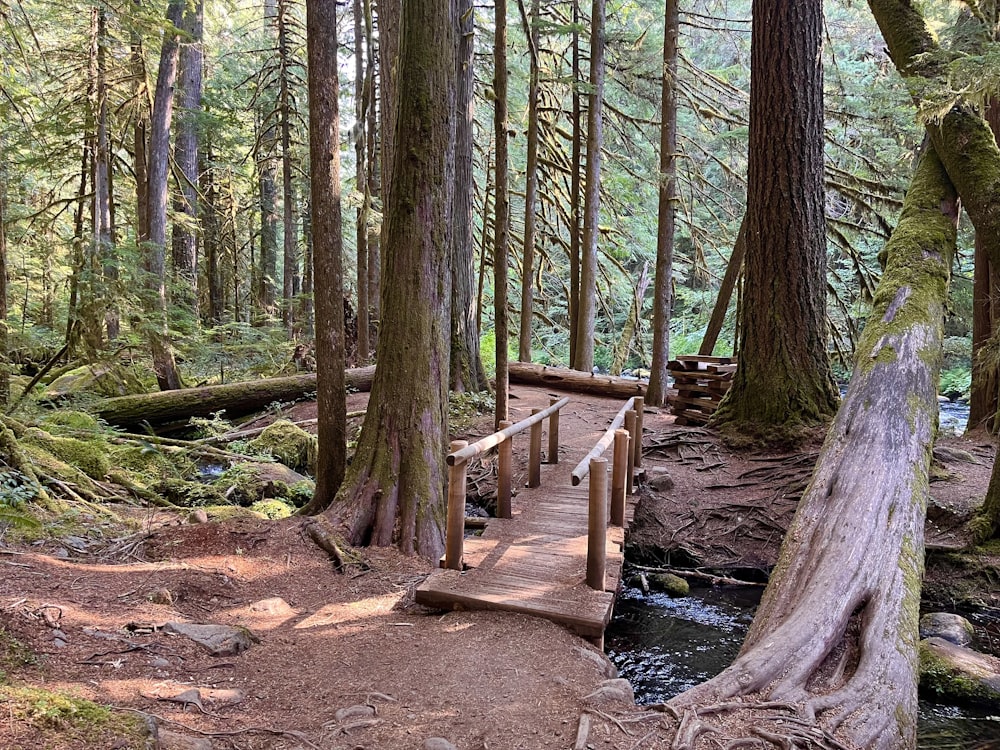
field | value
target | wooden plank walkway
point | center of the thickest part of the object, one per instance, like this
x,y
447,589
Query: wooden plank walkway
x,y
536,562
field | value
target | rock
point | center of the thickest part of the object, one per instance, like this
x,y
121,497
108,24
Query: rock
x,y
103,379
168,740
950,627
198,516
59,643
220,640
288,443
159,662
599,660
659,479
618,690
275,606
670,584
957,673
437,743
354,712
161,596
246,483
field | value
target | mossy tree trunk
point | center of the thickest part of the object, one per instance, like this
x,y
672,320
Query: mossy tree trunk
x,y
832,652
394,489
501,222
530,188
783,378
966,144
324,169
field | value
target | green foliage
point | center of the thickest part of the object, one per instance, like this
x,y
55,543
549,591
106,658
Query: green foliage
x,y
273,509
66,719
14,655
956,382
465,408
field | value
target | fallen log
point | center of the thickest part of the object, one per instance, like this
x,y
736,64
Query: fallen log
x,y
233,398
575,381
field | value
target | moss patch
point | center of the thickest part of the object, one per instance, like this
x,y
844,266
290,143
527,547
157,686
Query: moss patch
x,y
941,679
273,509
57,718
187,494
89,456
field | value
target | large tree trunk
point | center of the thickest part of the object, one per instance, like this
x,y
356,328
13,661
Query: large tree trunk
x,y
586,328
834,640
4,361
328,246
233,398
467,373
184,241
530,191
783,379
725,295
663,282
394,490
154,251
501,224
576,156
372,186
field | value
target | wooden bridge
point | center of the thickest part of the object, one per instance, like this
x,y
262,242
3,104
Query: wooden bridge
x,y
556,551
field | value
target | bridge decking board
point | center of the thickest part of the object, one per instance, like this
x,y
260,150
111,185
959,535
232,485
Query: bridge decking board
x,y
536,562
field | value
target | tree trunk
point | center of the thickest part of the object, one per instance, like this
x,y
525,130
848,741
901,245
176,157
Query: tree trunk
x,y
184,241
729,279
154,251
212,240
657,392
4,343
394,490
835,638
501,222
233,398
362,100
586,330
290,258
374,192
576,156
390,14
575,381
466,369
328,246
530,189
783,379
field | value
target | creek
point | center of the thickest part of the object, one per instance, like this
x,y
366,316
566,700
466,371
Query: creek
x,y
665,645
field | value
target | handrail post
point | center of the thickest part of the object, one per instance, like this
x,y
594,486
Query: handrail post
x,y
455,531
535,453
630,420
553,456
504,451
640,404
619,467
597,523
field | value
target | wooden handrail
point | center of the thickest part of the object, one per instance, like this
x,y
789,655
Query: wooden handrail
x,y
583,468
484,444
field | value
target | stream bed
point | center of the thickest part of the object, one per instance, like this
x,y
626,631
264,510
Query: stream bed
x,y
665,645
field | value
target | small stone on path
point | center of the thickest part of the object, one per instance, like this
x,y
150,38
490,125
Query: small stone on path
x,y
612,691
354,712
168,740
438,743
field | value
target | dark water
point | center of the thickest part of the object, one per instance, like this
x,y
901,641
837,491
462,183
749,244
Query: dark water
x,y
664,646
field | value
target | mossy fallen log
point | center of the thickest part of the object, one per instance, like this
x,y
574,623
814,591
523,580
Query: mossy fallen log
x,y
575,381
234,399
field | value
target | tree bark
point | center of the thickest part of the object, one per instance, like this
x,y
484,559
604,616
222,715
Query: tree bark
x,y
530,190
154,251
394,489
835,637
575,381
586,329
576,156
328,246
501,222
466,369
290,257
184,241
373,188
663,282
4,345
783,379
729,279
362,100
233,398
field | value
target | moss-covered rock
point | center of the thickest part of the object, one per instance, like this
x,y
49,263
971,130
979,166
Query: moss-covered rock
x,y
246,483
670,584
958,674
273,509
288,443
77,420
147,463
99,379
89,456
187,494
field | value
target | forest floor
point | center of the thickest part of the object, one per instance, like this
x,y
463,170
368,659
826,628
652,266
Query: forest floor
x,y
347,661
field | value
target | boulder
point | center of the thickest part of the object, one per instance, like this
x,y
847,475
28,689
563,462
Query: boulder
x,y
959,674
100,378
618,690
250,482
670,584
659,479
950,627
